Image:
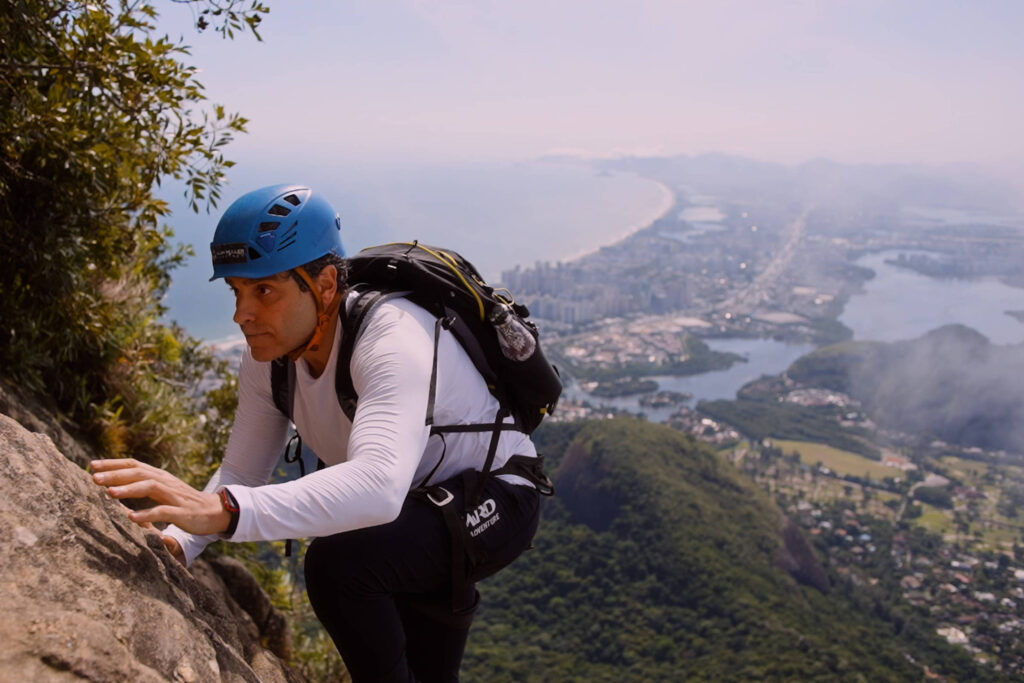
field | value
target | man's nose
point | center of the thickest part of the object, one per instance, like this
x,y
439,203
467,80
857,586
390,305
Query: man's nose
x,y
243,311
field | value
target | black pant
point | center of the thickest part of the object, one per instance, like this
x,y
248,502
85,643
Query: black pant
x,y
383,593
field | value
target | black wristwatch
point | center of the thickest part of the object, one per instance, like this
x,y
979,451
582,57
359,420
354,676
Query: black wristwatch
x,y
231,505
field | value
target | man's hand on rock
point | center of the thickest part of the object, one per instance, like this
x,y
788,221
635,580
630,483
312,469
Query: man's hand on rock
x,y
170,542
178,503
174,548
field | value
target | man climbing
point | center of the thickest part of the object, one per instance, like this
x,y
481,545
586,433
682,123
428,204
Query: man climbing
x,y
389,574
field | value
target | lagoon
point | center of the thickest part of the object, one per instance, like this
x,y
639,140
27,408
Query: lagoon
x,y
764,357
899,304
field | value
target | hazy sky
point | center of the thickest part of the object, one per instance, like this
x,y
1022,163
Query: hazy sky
x,y
859,80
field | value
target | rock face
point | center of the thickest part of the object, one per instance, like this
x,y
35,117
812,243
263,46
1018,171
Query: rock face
x,y
88,595
796,557
35,415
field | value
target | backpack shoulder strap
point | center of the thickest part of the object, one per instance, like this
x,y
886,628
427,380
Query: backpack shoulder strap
x,y
352,317
282,385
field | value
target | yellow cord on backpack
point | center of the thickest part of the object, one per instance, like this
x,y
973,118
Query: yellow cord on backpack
x,y
447,260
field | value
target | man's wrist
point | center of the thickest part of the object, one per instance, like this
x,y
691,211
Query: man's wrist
x,y
230,506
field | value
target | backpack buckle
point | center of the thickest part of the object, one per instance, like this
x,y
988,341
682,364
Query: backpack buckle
x,y
439,495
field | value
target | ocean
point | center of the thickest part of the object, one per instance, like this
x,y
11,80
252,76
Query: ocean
x,y
496,215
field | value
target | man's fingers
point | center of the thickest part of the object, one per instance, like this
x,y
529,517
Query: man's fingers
x,y
159,513
146,488
128,474
174,547
113,464
178,503
122,476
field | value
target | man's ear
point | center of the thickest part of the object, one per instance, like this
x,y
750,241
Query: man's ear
x,y
327,283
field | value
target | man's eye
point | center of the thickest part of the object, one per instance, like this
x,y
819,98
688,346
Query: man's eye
x,y
264,290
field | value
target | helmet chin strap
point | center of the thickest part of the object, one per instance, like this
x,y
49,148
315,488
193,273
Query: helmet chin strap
x,y
323,317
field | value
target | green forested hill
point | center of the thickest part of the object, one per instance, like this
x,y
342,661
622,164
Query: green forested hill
x,y
656,562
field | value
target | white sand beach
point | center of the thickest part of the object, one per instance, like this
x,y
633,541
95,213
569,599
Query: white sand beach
x,y
665,205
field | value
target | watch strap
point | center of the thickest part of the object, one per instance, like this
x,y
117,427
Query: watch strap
x,y
229,503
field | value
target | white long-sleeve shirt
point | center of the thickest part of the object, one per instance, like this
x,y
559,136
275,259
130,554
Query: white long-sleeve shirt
x,y
373,461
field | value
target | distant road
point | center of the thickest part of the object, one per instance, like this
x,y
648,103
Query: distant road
x,y
750,297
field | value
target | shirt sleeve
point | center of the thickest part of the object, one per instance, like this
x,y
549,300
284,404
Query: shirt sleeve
x,y
256,442
391,366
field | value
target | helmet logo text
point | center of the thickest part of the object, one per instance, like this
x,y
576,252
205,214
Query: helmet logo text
x,y
228,253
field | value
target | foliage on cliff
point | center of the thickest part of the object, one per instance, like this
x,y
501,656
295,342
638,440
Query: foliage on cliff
x,y
96,110
657,561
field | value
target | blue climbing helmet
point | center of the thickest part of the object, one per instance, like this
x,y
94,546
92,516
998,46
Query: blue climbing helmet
x,y
272,230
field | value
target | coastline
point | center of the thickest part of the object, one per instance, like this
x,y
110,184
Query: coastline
x,y
668,202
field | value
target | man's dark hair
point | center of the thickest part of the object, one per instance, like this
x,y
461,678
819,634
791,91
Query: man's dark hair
x,y
314,267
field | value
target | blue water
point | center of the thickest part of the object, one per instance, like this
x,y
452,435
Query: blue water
x,y
763,357
496,215
899,304
499,216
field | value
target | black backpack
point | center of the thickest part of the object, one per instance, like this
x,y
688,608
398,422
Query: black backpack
x,y
448,286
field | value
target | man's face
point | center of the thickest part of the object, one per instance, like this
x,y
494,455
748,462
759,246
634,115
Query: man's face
x,y
274,314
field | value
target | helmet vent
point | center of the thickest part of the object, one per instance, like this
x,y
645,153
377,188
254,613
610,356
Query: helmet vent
x,y
278,210
293,200
268,226
253,254
287,242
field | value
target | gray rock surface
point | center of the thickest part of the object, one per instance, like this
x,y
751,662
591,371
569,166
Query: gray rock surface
x,y
795,556
87,595
38,414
